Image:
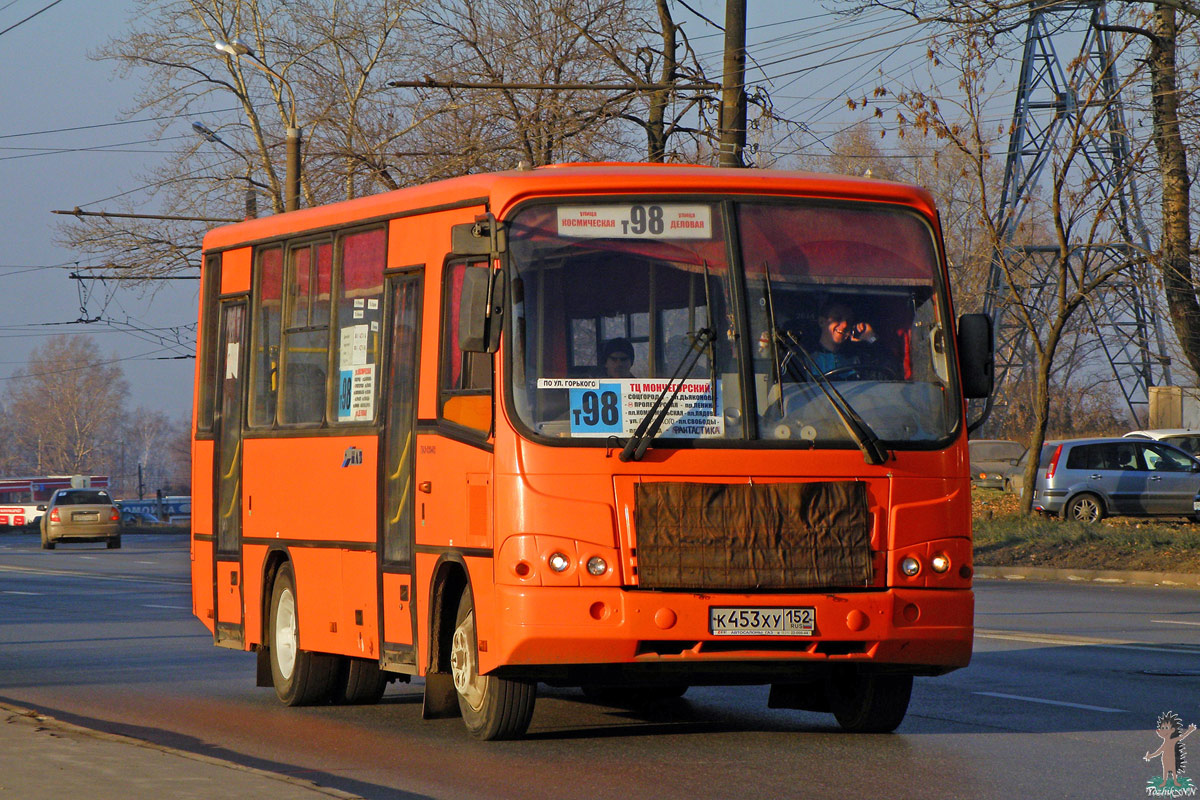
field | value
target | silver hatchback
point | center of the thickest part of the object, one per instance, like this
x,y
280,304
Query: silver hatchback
x,y
1089,479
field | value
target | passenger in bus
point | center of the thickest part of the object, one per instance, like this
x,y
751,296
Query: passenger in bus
x,y
616,359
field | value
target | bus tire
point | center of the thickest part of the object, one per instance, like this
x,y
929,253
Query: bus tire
x,y
300,677
868,703
360,682
492,708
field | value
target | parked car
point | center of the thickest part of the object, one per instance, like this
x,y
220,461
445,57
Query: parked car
x,y
1015,475
80,515
990,459
1183,438
1089,479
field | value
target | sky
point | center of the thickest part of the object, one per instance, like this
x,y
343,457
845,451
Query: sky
x,y
64,143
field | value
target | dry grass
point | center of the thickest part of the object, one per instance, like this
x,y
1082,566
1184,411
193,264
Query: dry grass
x,y
1005,537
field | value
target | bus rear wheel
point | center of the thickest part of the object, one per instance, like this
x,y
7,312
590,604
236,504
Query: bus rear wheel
x,y
492,707
300,677
359,682
868,703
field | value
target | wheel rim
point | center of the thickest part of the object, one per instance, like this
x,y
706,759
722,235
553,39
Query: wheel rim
x,y
285,633
463,666
1087,510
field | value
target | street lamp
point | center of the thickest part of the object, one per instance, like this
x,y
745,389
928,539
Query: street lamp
x,y
210,135
235,49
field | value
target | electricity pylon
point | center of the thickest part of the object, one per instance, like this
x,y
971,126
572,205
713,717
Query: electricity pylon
x,y
1053,96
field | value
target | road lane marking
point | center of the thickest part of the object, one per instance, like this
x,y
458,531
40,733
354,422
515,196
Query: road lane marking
x,y
29,594
80,574
1003,696
1084,641
173,608
1173,622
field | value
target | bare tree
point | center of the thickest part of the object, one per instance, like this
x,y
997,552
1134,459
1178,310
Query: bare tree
x,y
324,66
1045,290
1173,109
65,406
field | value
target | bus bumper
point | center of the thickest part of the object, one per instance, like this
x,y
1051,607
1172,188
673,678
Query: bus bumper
x,y
919,631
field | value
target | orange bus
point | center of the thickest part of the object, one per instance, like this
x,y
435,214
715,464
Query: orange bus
x,y
582,425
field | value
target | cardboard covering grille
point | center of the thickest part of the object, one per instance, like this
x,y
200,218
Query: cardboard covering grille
x,y
742,536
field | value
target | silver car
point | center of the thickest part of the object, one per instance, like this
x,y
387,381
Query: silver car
x,y
80,515
1089,479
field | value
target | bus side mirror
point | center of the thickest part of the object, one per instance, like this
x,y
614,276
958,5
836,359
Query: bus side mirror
x,y
976,355
480,310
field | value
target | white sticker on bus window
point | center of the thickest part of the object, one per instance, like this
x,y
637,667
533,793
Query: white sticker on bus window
x,y
636,221
356,394
354,345
614,406
359,302
372,303
231,360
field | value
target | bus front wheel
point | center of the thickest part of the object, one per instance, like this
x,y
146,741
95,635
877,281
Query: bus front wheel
x,y
868,703
492,707
300,677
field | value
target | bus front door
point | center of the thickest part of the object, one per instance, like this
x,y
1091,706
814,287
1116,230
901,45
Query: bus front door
x,y
398,614
227,511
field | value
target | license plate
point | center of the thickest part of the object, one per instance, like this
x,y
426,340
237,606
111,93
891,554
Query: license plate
x,y
762,621
85,516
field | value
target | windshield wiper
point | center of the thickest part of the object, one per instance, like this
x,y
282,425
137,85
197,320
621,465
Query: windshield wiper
x,y
646,430
860,431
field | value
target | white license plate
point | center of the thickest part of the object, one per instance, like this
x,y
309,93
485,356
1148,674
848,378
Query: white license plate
x,y
759,621
85,516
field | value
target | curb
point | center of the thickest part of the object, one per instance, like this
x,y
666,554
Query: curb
x,y
9,711
1177,580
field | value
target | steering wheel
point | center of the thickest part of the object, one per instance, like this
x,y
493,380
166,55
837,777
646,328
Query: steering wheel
x,y
863,372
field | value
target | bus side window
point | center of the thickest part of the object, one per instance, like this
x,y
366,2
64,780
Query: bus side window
x,y
268,323
305,350
465,392
362,256
207,347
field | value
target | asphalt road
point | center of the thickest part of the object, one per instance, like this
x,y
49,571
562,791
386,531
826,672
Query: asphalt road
x,y
1060,700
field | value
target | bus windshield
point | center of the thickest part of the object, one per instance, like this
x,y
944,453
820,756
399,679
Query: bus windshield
x,y
843,304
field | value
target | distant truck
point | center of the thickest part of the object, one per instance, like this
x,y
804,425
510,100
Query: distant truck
x,y
20,497
1174,407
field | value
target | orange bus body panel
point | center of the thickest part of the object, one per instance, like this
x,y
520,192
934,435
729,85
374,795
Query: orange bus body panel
x,y
235,271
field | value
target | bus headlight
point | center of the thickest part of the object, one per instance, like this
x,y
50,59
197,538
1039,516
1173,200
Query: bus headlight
x,y
940,563
597,566
910,566
558,562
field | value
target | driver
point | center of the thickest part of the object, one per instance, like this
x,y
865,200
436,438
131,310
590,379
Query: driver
x,y
845,340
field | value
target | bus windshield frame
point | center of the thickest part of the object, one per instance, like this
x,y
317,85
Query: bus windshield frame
x,y
758,272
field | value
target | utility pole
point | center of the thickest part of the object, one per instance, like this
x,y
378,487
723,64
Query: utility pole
x,y
733,82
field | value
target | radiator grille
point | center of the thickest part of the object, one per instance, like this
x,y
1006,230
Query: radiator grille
x,y
707,536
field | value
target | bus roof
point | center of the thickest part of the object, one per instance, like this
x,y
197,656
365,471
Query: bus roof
x,y
501,190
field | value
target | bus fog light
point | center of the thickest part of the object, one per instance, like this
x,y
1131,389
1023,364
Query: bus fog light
x,y
597,566
940,563
910,566
559,562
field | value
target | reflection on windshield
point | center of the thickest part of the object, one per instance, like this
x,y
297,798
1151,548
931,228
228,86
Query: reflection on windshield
x,y
607,298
